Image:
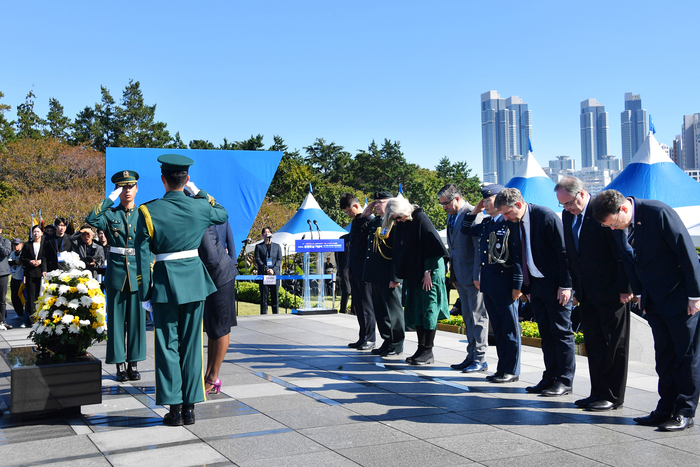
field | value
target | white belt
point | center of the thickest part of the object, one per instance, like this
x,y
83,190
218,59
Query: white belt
x,y
122,251
177,255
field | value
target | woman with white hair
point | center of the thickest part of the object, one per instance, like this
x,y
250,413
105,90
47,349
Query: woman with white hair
x,y
418,260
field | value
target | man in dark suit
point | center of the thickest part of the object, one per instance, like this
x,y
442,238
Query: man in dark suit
x,y
268,259
602,292
464,266
56,244
341,259
360,290
662,267
386,288
546,278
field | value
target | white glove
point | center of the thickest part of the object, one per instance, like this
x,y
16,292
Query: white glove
x,y
192,188
147,305
115,194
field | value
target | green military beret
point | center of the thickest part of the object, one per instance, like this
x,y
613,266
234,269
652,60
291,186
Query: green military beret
x,y
175,162
126,177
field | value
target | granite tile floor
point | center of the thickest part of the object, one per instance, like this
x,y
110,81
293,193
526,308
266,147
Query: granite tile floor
x,y
294,394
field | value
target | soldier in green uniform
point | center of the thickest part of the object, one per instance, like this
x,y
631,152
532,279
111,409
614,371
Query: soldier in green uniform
x,y
172,228
127,321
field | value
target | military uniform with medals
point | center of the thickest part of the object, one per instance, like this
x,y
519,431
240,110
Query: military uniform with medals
x,y
126,331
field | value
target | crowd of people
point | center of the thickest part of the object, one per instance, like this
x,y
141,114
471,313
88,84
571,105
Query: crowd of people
x,y
604,254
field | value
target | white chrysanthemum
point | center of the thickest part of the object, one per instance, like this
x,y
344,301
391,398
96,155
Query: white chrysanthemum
x,y
43,314
99,299
92,284
86,301
84,322
63,276
82,288
60,301
58,313
100,315
39,329
67,318
59,329
52,274
63,289
36,325
52,287
100,329
74,328
74,304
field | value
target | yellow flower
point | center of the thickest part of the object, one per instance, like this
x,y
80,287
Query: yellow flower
x,y
66,279
73,289
76,320
56,319
83,280
94,325
47,322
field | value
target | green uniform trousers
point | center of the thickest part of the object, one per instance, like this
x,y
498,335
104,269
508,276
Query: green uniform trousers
x,y
126,323
178,353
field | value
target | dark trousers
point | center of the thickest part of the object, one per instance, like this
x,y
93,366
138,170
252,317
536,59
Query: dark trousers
x,y
677,349
389,313
3,293
363,307
15,284
274,297
554,323
607,335
503,316
33,285
344,284
126,331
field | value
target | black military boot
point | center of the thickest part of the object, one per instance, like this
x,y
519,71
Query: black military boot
x,y
174,417
421,341
132,371
121,373
188,414
426,357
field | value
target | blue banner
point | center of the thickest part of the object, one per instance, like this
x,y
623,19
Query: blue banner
x,y
319,246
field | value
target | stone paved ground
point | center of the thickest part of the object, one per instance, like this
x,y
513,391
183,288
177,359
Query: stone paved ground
x,y
294,394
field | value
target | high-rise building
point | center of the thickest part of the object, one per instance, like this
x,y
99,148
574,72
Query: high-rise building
x,y
689,157
563,163
634,126
594,132
506,126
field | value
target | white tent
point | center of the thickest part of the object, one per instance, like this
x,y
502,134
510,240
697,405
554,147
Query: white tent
x,y
534,184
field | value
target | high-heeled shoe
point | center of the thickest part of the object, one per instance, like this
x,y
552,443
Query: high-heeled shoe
x,y
216,388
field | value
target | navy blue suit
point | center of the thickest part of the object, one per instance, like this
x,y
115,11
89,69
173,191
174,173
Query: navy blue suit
x,y
663,268
497,281
599,278
553,319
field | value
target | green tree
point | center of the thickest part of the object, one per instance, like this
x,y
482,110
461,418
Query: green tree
x,y
98,126
201,144
29,124
57,124
176,143
380,168
7,133
321,156
254,143
459,173
137,127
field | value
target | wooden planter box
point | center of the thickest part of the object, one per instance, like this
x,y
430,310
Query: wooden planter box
x,y
39,389
451,328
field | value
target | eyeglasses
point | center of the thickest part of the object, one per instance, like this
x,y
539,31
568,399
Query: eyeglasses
x,y
570,203
617,222
446,202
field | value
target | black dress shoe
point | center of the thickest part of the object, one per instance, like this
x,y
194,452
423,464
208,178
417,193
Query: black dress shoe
x,y
490,377
382,348
677,423
506,378
174,417
355,345
602,405
366,346
558,389
391,351
132,372
653,419
188,414
121,373
461,366
583,403
541,386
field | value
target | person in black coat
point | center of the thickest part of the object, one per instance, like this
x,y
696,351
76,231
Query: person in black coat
x,y
268,259
33,258
220,307
362,306
546,278
341,259
662,267
602,291
57,243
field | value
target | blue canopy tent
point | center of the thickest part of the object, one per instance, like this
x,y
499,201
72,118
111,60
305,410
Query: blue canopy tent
x,y
653,175
238,180
302,225
534,184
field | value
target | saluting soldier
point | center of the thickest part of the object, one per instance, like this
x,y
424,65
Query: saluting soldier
x,y
172,228
126,333
500,280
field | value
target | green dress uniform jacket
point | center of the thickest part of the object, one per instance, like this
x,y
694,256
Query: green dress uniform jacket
x,y
177,288
126,319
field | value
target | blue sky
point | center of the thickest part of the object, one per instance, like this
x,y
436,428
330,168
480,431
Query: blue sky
x,y
351,72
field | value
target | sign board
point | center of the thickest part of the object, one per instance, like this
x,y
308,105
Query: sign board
x,y
319,246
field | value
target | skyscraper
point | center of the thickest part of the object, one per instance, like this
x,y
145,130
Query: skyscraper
x,y
594,132
506,126
634,126
690,142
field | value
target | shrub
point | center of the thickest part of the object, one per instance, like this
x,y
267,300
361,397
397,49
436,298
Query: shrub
x,y
250,292
530,329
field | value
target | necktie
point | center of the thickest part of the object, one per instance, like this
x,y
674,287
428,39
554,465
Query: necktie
x,y
451,224
630,238
523,247
575,229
